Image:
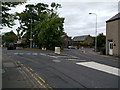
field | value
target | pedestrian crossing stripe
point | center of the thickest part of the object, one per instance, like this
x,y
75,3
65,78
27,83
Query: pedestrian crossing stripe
x,y
100,67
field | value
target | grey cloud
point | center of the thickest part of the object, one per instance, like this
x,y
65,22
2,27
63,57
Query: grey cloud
x,y
77,18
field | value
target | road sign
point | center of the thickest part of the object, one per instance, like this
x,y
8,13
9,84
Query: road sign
x,y
31,39
57,50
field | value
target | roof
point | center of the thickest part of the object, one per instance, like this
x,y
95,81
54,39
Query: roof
x,y
63,35
66,37
80,38
116,17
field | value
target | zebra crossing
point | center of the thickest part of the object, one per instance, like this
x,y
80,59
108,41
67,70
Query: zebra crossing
x,y
79,62
100,67
52,56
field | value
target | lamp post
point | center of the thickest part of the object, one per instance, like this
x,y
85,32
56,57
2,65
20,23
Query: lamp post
x,y
1,36
31,35
95,32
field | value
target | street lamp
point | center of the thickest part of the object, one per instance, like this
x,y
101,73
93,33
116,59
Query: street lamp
x,y
95,32
31,34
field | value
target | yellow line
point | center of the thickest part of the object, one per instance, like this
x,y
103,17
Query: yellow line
x,y
40,77
30,68
40,83
26,69
37,75
20,68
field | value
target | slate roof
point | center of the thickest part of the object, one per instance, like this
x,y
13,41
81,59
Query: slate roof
x,y
80,38
116,17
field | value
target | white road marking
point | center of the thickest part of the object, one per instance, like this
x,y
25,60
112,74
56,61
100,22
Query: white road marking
x,y
28,53
20,53
75,60
56,60
61,56
16,53
53,56
43,54
34,53
101,67
74,56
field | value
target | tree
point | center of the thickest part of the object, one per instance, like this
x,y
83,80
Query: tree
x,y
6,17
51,29
101,42
31,15
50,32
44,23
9,37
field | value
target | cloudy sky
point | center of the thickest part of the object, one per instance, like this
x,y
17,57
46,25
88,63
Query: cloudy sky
x,y
78,21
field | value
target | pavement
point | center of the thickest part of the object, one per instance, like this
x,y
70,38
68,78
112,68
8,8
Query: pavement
x,y
91,51
13,76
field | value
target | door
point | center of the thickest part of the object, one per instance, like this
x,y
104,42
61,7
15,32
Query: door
x,y
110,48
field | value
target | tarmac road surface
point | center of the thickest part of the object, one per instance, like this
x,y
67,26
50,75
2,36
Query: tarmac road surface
x,y
72,69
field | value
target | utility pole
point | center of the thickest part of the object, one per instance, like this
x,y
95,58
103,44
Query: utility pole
x,y
31,33
95,32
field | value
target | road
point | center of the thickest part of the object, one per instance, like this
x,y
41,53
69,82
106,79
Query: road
x,y
71,69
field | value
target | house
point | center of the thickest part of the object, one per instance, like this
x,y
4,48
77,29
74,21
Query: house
x,y
83,39
67,40
113,36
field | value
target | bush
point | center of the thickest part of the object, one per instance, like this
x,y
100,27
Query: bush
x,y
24,45
103,50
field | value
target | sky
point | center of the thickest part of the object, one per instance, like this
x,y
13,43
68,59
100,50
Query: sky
x,y
78,21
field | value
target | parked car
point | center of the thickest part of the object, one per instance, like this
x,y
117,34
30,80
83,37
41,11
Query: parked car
x,y
11,46
72,47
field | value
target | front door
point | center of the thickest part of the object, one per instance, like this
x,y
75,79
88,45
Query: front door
x,y
110,48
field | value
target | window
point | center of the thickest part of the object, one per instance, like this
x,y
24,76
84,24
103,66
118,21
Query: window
x,y
111,45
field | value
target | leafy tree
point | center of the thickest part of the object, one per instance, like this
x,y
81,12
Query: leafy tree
x,y
9,37
44,23
31,14
28,18
6,17
50,32
51,29
101,42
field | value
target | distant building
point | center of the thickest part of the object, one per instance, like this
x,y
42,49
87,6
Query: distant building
x,y
67,40
24,37
83,39
113,36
